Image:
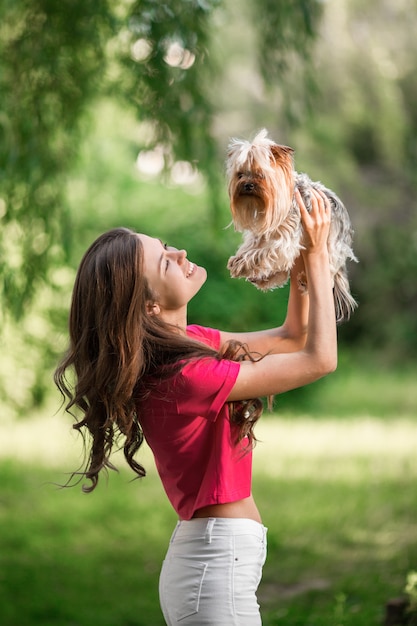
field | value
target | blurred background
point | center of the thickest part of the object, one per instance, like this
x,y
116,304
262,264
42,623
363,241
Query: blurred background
x,y
119,112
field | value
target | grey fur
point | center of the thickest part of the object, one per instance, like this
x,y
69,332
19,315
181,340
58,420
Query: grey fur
x,y
266,259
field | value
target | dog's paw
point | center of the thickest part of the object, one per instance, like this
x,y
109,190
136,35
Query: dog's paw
x,y
264,277
271,281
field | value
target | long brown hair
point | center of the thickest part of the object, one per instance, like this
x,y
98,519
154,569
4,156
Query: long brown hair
x,y
115,344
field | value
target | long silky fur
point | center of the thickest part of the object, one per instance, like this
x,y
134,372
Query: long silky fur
x,y
270,219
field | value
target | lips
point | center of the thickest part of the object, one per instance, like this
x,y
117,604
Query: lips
x,y
191,269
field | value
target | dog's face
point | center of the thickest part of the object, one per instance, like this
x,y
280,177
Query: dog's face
x,y
261,183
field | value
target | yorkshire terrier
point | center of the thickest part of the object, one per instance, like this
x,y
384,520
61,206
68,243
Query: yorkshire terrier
x,y
262,182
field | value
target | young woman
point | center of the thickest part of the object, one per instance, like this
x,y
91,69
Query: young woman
x,y
193,394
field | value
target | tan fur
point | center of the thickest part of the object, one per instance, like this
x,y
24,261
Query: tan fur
x,y
261,185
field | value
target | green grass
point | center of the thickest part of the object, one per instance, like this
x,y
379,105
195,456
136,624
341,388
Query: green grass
x,y
68,559
336,490
339,498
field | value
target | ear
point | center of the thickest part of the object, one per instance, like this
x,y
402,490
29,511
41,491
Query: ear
x,y
282,153
152,308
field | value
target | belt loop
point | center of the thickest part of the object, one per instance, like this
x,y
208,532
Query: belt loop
x,y
209,529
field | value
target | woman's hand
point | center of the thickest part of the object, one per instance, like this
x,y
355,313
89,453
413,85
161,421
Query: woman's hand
x,y
316,224
317,355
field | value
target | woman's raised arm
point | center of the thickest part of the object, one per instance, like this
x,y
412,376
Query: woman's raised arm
x,y
289,337
276,373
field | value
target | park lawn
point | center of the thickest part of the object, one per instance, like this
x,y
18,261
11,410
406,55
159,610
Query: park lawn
x,y
340,501
338,494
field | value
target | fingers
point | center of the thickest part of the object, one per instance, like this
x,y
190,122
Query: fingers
x,y
319,200
316,222
320,204
300,202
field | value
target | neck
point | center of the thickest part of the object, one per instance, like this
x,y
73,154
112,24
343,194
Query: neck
x,y
176,318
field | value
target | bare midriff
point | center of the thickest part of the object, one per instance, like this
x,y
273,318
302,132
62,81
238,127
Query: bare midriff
x,y
242,509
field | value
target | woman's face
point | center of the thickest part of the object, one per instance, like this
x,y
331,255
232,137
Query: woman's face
x,y
171,276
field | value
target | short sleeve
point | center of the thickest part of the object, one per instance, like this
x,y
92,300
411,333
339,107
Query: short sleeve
x,y
204,385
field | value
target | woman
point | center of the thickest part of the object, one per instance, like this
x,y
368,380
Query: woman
x,y
193,393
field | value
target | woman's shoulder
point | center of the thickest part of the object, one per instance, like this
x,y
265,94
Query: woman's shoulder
x,y
203,385
208,336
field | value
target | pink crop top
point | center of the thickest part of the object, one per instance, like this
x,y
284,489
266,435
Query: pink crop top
x,y
186,423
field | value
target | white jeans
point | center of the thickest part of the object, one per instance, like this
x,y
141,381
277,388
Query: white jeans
x,y
211,573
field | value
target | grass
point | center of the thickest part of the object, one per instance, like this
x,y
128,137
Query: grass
x,y
337,493
340,499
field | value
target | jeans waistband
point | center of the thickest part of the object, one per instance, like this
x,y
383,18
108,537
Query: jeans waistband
x,y
206,527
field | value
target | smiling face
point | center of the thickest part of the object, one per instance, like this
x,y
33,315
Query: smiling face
x,y
172,277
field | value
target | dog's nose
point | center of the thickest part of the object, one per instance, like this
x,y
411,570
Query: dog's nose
x,y
249,187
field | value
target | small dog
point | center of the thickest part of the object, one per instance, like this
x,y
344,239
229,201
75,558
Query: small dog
x,y
262,182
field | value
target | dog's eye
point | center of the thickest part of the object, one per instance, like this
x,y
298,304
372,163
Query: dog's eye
x,y
240,175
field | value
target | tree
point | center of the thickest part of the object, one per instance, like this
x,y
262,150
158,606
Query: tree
x,y
58,57
52,57
334,80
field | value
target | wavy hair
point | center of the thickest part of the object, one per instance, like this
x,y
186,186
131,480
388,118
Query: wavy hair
x,y
115,346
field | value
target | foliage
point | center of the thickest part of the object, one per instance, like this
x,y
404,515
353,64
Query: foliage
x,y
167,76
283,28
56,57
334,80
362,139
50,66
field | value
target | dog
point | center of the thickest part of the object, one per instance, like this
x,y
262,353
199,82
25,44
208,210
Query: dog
x,y
261,186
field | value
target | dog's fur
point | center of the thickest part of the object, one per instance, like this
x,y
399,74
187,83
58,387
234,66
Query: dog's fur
x,y
262,182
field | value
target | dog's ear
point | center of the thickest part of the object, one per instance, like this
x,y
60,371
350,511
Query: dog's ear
x,y
282,153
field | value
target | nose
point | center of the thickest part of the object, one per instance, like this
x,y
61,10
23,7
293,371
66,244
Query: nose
x,y
182,255
248,187
178,255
